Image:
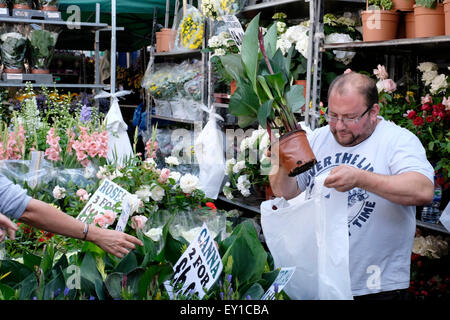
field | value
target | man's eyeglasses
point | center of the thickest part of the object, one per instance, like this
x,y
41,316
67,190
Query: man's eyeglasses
x,y
345,120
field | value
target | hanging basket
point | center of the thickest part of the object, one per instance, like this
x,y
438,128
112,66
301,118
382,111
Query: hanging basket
x,y
379,25
429,22
294,152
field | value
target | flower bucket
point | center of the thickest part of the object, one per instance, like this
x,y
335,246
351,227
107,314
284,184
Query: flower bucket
x,y
403,5
295,153
379,25
447,17
410,28
303,83
429,22
165,40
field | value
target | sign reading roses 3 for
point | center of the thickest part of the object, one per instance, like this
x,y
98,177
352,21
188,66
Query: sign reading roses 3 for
x,y
198,268
107,195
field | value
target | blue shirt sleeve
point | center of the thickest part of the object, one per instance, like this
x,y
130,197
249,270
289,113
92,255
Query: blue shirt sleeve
x,y
13,198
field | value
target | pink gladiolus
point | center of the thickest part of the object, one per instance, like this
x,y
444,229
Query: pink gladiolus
x,y
137,222
53,152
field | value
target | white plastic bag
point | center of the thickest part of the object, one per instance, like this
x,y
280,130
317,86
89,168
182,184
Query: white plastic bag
x,y
310,232
208,149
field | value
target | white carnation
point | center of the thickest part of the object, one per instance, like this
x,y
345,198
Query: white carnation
x,y
59,192
243,185
229,164
239,166
188,183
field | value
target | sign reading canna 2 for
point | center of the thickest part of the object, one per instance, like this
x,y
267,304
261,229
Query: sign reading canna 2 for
x,y
197,269
107,195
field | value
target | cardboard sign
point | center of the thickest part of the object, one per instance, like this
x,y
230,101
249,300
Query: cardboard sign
x,y
107,195
198,268
235,29
282,279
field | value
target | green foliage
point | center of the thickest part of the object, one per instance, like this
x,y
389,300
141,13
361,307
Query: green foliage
x,y
382,4
427,3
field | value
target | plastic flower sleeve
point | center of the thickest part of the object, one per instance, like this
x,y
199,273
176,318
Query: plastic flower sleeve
x,y
42,46
49,4
21,172
190,30
228,7
154,226
13,47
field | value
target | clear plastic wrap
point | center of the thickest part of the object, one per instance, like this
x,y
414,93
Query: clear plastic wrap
x,y
177,106
13,41
42,46
187,224
193,88
154,226
193,110
189,30
163,108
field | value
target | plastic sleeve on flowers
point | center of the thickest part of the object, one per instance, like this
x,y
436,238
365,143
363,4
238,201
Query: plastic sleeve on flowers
x,y
190,31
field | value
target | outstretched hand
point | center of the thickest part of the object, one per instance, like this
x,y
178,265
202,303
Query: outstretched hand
x,y
342,178
115,242
7,226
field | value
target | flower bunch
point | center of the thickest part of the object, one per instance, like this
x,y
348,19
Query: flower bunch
x,y
221,45
12,144
437,83
190,31
250,168
433,247
215,9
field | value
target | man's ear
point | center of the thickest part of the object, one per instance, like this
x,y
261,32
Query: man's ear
x,y
375,110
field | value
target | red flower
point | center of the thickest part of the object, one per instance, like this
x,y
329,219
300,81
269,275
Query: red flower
x,y
418,121
211,205
440,181
412,115
41,239
429,119
426,107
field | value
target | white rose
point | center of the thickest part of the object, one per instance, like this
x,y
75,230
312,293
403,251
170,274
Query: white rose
x,y
438,84
156,192
59,192
427,66
154,234
188,183
428,76
175,176
144,193
171,160
133,201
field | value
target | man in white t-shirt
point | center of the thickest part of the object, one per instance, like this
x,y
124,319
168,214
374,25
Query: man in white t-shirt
x,y
385,172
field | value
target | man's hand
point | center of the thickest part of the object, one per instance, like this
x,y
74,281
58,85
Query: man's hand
x,y
112,241
342,178
7,226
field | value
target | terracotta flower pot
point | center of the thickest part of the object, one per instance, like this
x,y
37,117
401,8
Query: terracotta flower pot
x,y
49,8
429,22
40,71
410,25
294,152
403,5
379,25
6,70
447,17
22,6
165,40
303,83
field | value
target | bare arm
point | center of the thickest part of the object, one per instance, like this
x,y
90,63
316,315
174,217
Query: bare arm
x,y
43,216
409,188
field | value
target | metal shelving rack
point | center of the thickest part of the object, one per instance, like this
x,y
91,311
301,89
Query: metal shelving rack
x,y
96,26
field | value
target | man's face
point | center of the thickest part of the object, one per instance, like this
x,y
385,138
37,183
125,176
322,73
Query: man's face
x,y
348,108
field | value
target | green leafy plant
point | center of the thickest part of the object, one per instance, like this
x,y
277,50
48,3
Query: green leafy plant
x,y
382,4
264,82
42,45
13,45
427,3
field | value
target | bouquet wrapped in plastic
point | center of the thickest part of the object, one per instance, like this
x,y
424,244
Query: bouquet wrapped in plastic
x,y
13,47
42,46
189,31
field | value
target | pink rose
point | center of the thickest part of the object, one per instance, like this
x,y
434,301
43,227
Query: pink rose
x,y
83,194
110,216
389,85
100,220
137,222
446,103
380,72
164,175
426,99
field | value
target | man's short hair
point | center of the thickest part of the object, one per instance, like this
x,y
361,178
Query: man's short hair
x,y
362,83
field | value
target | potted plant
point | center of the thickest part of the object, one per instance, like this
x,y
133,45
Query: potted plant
x,y
3,3
379,21
22,4
42,45
429,18
13,45
403,5
49,5
266,94
447,16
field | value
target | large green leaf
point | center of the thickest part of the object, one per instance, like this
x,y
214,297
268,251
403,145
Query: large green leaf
x,y
18,272
27,287
154,276
250,49
6,291
89,274
264,112
294,98
255,292
233,65
244,102
30,260
277,81
265,87
128,263
47,260
246,121
270,40
249,256
53,285
113,284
